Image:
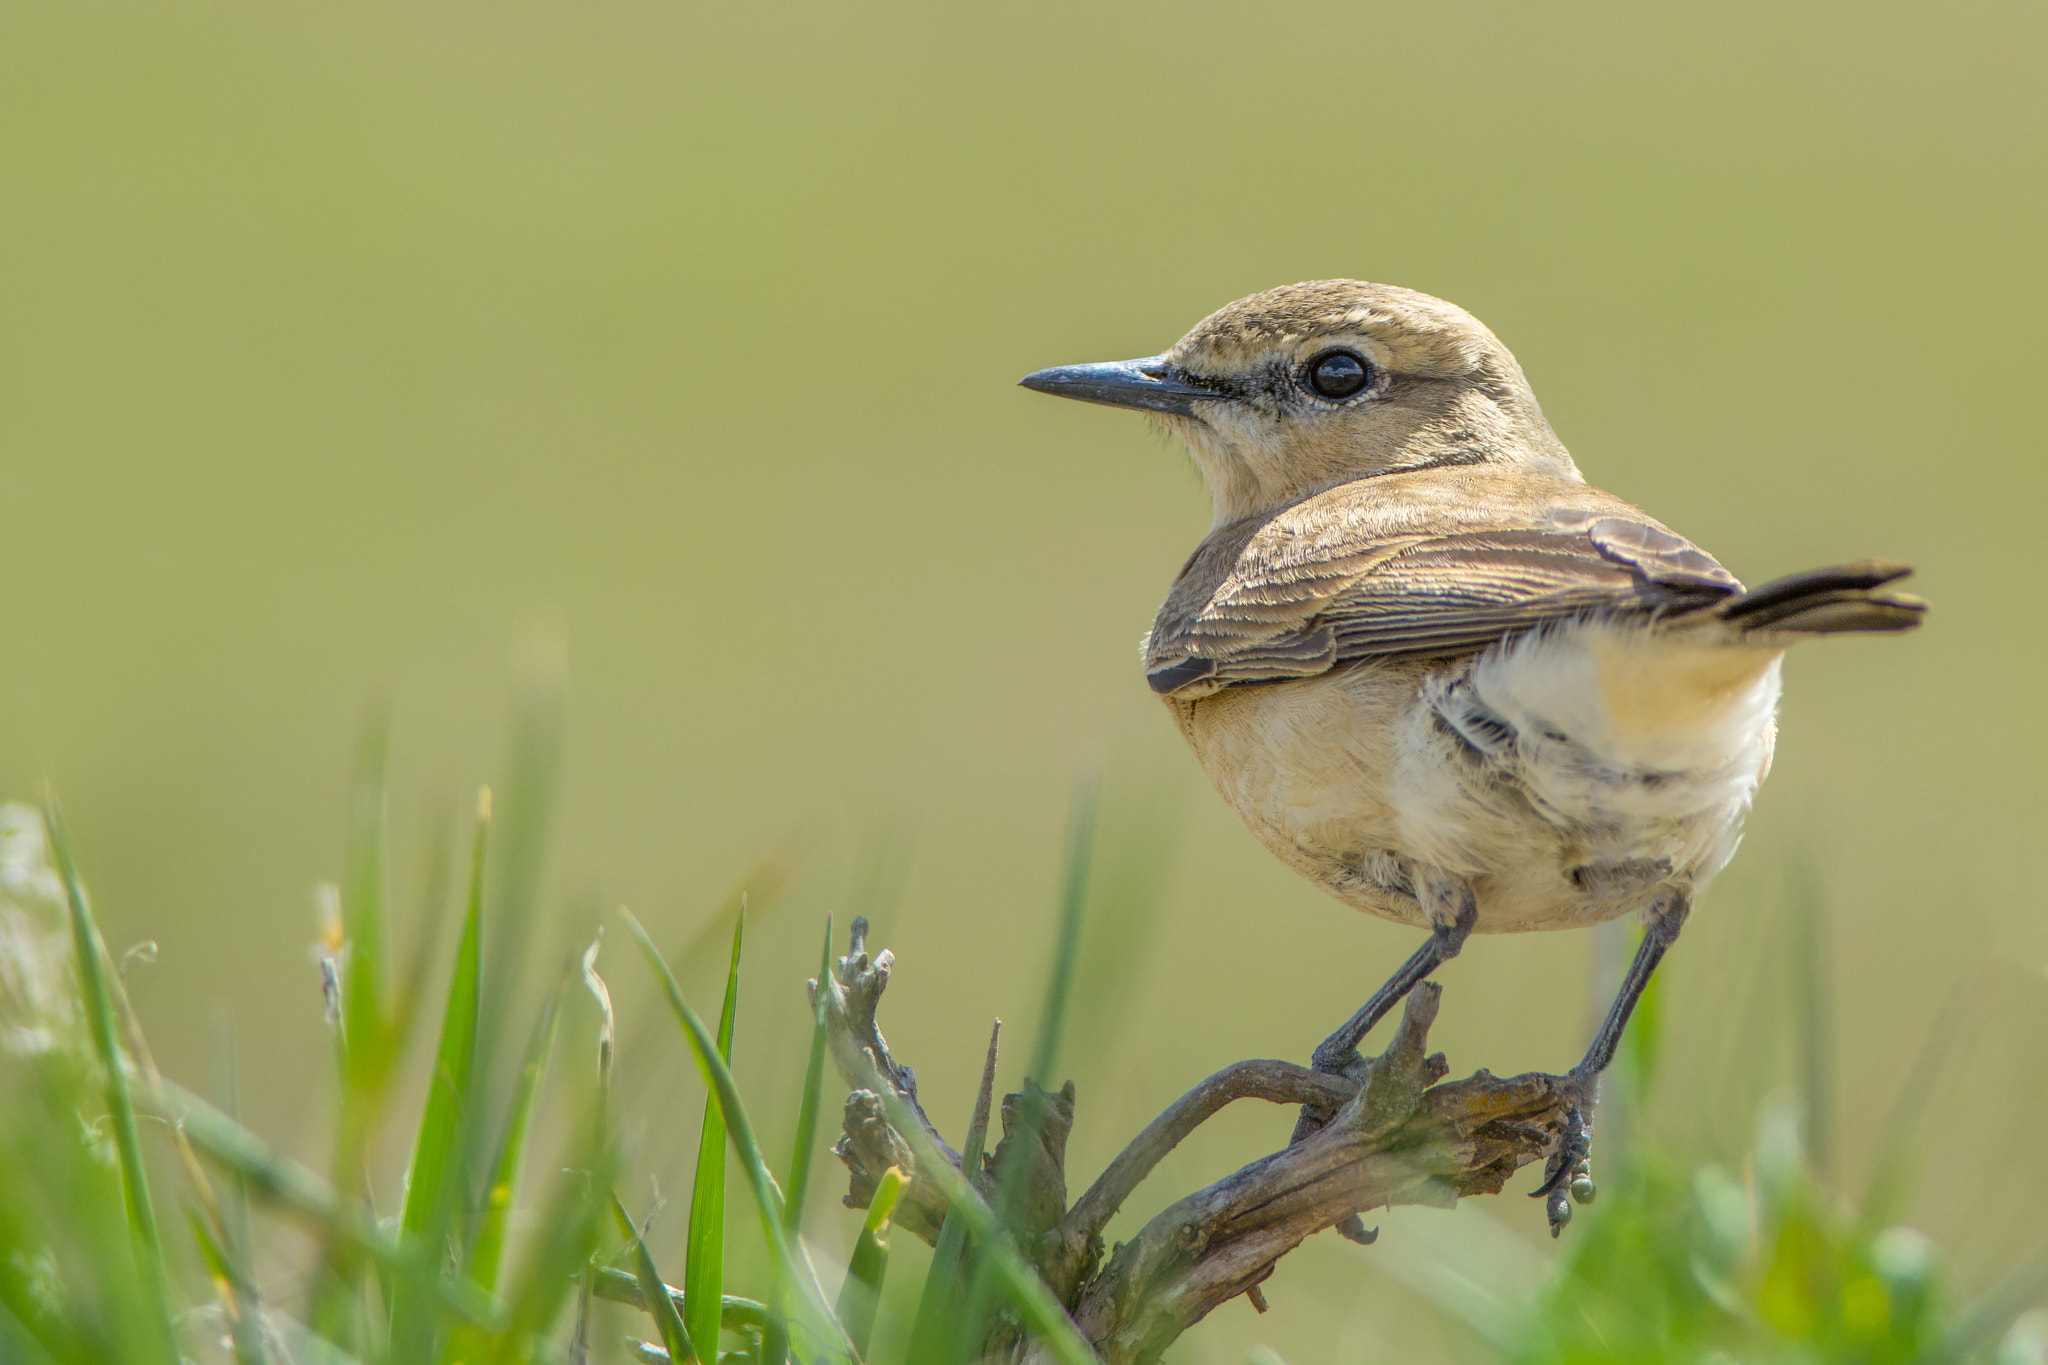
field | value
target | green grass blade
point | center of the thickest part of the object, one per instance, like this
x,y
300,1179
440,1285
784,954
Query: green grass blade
x,y
735,1314
487,1252
814,1089
861,1293
90,955
1039,1310
526,808
936,1332
764,887
607,1028
438,1178
556,1265
227,1088
17,1346
775,1344
292,1186
430,913
704,1266
363,912
791,1268
363,1035
1136,849
1011,1179
236,1290
237,1247
654,1296
432,1184
1073,901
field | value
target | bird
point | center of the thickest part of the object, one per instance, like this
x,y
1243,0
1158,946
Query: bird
x,y
1434,670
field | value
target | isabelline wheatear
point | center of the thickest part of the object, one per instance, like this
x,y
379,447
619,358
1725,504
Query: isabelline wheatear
x,y
1433,669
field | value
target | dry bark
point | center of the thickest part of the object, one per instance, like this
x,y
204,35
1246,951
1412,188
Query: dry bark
x,y
1389,1133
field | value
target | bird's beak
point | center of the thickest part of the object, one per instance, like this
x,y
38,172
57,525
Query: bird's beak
x,y
1150,384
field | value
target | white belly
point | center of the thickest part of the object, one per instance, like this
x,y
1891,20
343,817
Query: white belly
x,y
1566,774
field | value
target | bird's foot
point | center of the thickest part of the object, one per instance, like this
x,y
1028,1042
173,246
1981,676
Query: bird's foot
x,y
1334,1057
1568,1173
1332,1060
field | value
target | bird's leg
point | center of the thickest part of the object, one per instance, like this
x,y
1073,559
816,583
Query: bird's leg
x,y
1452,911
1452,908
1570,1166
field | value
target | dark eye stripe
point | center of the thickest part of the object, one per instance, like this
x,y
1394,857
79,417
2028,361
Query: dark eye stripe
x,y
1337,374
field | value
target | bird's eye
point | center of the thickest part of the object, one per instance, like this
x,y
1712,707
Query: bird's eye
x,y
1338,374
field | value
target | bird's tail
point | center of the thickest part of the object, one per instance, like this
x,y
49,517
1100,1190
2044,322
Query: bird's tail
x,y
1827,602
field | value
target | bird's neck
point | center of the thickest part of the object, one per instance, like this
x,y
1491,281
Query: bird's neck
x,y
1251,471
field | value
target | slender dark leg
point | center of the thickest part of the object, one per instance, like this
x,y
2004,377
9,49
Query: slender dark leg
x,y
1452,911
1452,908
1336,1052
1570,1166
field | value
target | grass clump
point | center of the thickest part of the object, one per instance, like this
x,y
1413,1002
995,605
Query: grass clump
x,y
125,1199
89,1277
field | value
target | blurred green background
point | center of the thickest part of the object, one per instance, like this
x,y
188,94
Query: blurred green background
x,y
413,350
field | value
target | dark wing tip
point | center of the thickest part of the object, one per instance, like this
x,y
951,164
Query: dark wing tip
x,y
1858,577
1173,677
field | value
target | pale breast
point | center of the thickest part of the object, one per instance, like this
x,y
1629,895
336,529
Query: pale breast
x,y
1566,773
1309,767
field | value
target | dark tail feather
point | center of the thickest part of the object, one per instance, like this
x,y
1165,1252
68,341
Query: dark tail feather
x,y
1828,601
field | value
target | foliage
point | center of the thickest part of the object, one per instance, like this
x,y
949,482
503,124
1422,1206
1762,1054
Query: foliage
x,y
1758,1262
1724,1265
125,1229
88,1275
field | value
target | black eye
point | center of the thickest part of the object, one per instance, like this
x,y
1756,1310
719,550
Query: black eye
x,y
1338,374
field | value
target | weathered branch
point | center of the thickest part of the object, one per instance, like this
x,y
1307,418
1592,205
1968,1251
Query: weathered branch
x,y
1076,1247
856,991
1388,1134
1395,1142
867,1144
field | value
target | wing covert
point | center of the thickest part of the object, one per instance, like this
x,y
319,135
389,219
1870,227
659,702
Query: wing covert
x,y
1280,600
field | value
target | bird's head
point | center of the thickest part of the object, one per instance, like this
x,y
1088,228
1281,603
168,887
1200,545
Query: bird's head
x,y
1311,385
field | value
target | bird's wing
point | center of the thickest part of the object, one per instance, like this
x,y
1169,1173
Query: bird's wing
x,y
1296,595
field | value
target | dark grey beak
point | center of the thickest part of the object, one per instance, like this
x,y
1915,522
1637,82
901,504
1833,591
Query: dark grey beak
x,y
1150,384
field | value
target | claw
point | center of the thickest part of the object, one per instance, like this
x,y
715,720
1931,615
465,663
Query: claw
x,y
1568,1175
1353,1229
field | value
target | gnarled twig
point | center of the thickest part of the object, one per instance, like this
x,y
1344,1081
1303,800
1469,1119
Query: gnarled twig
x,y
1397,1136
867,1144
